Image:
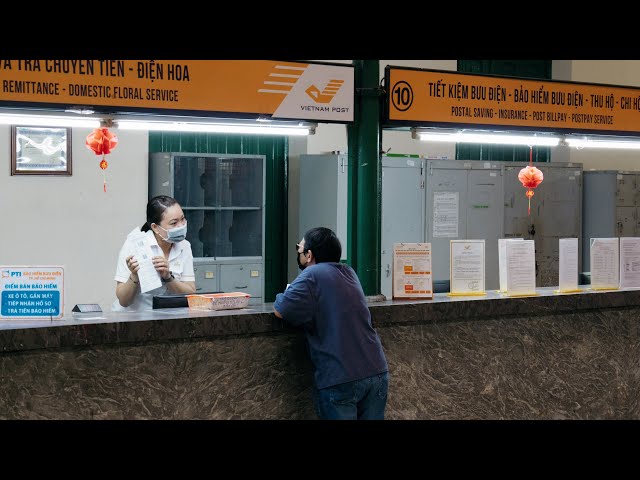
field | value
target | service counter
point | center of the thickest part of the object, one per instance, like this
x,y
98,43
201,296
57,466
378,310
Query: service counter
x,y
549,356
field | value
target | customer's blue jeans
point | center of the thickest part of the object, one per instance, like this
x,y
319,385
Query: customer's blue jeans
x,y
364,399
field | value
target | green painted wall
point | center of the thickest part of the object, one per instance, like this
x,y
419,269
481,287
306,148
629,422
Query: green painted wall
x,y
275,149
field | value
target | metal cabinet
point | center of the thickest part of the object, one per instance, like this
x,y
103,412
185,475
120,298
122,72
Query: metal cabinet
x,y
425,200
402,215
206,275
241,277
323,195
223,199
610,202
464,200
323,201
556,212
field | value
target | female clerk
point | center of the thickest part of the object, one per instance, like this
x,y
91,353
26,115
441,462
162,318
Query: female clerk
x,y
165,230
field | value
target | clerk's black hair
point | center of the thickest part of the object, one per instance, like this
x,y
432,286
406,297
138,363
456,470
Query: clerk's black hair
x,y
324,243
155,210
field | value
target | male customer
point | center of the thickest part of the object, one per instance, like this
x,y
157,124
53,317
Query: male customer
x,y
327,301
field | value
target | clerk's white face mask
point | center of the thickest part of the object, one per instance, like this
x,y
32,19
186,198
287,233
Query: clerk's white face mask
x,y
175,235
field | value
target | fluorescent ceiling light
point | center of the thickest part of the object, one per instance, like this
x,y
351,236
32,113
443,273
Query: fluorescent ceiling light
x,y
603,142
48,121
167,124
263,129
80,111
496,138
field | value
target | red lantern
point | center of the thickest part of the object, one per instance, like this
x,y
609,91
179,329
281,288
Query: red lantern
x,y
530,177
102,141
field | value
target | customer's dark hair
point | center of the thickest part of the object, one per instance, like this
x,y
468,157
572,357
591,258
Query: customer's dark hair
x,y
155,210
324,243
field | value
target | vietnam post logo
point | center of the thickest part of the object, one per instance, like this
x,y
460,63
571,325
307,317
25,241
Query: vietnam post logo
x,y
283,78
326,95
311,92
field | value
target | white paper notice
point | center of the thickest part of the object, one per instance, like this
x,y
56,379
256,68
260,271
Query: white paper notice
x,y
412,270
521,267
467,266
568,265
502,262
445,214
148,275
629,262
605,265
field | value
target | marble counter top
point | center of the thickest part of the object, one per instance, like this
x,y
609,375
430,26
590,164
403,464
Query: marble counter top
x,y
182,323
548,356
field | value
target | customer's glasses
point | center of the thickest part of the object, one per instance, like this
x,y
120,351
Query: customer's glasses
x,y
297,247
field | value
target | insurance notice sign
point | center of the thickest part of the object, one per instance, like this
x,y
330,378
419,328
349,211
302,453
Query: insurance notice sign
x,y
31,292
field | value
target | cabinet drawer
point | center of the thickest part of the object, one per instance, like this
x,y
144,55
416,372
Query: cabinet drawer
x,y
246,277
206,278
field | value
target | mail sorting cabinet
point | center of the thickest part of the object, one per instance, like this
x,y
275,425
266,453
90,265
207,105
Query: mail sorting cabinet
x,y
323,200
324,191
556,212
464,201
611,202
403,203
223,199
228,276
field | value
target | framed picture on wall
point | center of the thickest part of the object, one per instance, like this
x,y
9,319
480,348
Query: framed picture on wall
x,y
40,150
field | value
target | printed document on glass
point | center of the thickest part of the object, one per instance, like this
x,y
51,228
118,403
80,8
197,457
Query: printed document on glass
x,y
605,264
629,262
568,265
412,270
445,214
467,267
502,262
521,267
148,276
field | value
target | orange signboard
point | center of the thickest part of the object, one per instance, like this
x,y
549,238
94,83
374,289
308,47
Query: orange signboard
x,y
292,90
448,99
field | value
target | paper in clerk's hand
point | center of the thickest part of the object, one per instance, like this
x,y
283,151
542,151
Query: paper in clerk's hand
x,y
148,275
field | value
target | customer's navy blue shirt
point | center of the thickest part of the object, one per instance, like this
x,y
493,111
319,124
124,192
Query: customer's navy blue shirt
x,y
327,300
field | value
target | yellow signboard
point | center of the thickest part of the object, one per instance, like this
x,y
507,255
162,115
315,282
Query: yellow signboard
x,y
288,90
452,99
